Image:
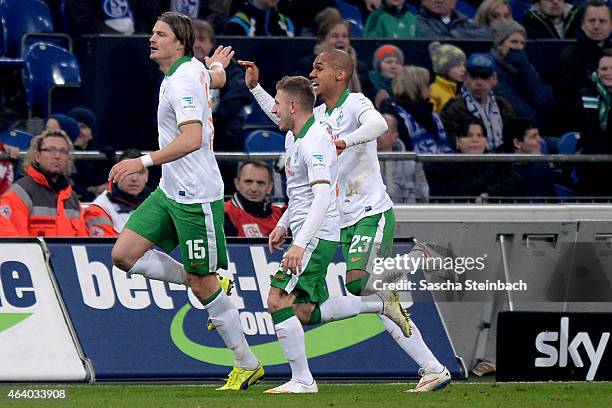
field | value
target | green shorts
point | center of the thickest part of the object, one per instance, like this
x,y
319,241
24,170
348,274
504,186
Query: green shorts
x,y
196,228
370,238
310,286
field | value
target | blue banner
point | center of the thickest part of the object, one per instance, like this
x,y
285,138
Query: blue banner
x,y
131,327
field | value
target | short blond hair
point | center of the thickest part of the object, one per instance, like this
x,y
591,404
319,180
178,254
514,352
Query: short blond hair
x,y
36,144
300,88
410,82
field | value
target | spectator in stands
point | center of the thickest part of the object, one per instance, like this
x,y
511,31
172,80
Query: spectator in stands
x,y
404,179
106,17
552,19
228,103
90,176
473,181
517,79
477,99
333,32
438,19
7,167
259,18
87,126
392,20
579,60
215,12
58,121
250,212
527,179
425,132
387,62
448,64
491,11
42,203
108,213
593,111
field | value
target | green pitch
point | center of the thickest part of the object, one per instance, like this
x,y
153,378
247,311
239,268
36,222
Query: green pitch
x,y
330,395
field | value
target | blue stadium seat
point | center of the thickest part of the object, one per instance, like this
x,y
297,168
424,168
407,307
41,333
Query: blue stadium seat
x,y
562,191
25,22
353,15
567,143
264,141
16,138
47,65
465,8
256,118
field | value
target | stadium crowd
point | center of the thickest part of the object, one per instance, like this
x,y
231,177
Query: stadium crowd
x,y
472,103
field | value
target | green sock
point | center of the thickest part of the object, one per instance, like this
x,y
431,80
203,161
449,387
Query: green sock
x,y
355,287
315,316
211,297
283,314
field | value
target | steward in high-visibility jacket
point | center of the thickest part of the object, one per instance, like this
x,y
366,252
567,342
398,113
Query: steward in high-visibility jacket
x,y
109,212
42,203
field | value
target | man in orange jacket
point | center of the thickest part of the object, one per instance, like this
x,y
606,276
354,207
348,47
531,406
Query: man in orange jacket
x,y
42,203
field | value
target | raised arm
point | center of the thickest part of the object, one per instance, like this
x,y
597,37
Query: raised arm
x,y
251,79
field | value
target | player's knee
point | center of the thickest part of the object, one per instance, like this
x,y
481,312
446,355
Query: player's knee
x,y
303,312
121,258
276,301
274,304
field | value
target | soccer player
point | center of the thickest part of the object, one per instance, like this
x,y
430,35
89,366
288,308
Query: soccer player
x,y
366,211
187,207
311,168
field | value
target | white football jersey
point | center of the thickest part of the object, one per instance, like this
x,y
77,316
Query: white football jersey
x,y
184,97
311,159
362,191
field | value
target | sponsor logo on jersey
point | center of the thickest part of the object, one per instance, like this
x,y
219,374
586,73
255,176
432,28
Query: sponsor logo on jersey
x,y
318,160
187,102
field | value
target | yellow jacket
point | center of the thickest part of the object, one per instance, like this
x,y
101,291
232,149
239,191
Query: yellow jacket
x,y
442,90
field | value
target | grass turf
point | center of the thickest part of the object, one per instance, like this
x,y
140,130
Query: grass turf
x,y
330,395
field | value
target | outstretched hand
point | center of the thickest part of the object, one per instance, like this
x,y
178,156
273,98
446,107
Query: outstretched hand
x,y
251,73
222,54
